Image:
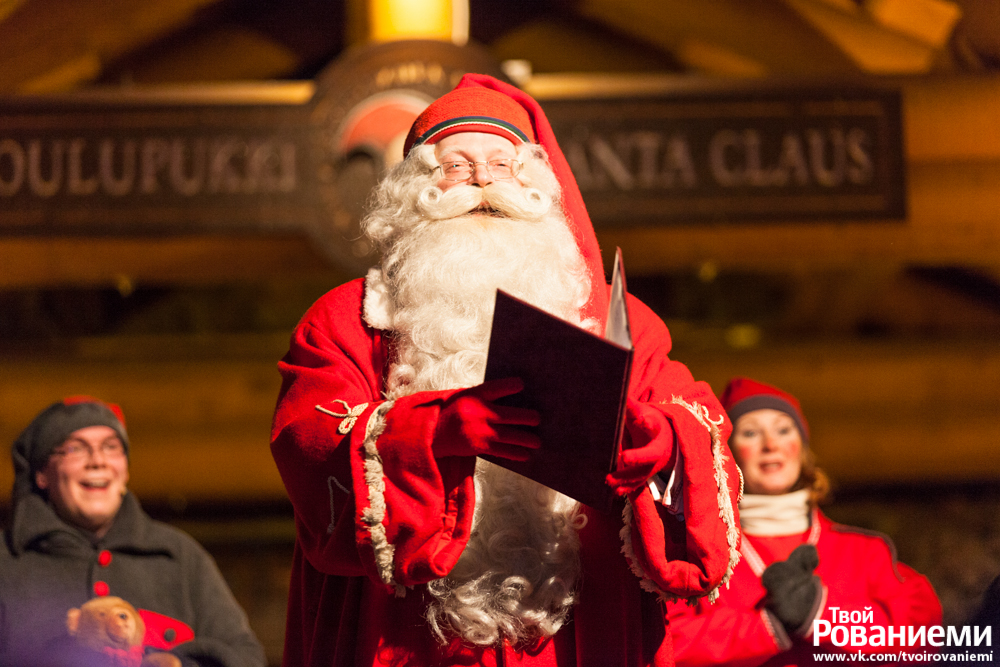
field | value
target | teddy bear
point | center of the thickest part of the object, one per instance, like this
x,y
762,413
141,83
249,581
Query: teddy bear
x,y
112,626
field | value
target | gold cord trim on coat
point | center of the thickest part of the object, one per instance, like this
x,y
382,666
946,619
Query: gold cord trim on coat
x,y
350,415
374,514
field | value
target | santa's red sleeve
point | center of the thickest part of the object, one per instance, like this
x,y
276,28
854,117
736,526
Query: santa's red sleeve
x,y
690,553
369,500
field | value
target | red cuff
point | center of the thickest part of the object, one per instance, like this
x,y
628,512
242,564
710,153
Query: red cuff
x,y
163,632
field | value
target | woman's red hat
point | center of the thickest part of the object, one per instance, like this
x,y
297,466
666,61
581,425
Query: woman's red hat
x,y
743,395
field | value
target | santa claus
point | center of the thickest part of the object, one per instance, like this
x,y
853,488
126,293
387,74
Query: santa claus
x,y
411,550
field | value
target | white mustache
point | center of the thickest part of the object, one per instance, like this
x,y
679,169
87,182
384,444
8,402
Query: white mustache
x,y
502,197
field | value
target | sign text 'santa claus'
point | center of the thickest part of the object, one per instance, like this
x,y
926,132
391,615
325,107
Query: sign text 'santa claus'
x,y
771,154
826,158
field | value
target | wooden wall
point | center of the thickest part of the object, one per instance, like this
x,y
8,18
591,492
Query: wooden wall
x,y
917,402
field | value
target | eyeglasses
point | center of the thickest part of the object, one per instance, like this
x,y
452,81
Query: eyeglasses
x,y
501,170
78,451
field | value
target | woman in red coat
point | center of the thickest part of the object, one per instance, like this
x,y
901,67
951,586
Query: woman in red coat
x,y
804,584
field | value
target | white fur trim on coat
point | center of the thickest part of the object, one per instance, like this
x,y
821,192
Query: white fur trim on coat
x,y
726,513
725,503
378,308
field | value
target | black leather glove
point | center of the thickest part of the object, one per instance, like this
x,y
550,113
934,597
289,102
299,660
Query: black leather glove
x,y
793,589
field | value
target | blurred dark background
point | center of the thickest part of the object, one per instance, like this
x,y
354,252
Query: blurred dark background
x,y
886,330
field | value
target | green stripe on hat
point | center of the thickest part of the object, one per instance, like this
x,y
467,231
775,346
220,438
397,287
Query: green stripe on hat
x,y
470,120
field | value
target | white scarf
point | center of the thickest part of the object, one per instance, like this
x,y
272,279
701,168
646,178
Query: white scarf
x,y
767,516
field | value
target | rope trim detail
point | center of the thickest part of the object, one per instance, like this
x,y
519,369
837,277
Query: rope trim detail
x,y
374,514
350,415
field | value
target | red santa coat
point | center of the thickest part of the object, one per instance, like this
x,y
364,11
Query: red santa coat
x,y
859,572
377,516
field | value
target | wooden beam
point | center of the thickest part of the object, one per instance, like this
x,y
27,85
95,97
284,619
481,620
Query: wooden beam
x,y
199,428
192,260
883,297
390,20
47,44
7,7
769,34
872,46
882,412
886,412
226,53
954,220
552,45
952,119
930,21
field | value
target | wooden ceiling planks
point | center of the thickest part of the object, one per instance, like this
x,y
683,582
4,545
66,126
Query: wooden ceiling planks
x,y
747,30
191,418
59,45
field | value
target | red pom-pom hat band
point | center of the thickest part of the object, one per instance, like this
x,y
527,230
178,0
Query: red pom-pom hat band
x,y
471,124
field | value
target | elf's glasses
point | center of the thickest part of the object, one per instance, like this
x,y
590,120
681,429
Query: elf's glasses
x,y
74,452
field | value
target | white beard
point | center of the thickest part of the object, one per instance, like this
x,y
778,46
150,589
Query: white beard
x,y
440,270
517,577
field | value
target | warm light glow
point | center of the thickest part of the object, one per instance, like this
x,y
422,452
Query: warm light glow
x,y
446,20
718,60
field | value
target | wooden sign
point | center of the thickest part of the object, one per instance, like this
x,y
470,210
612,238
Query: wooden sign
x,y
303,156
126,168
738,154
263,158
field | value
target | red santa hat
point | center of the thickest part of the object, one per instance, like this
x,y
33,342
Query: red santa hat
x,y
481,103
470,109
743,395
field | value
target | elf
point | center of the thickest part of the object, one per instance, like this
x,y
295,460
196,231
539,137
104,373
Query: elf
x,y
800,573
77,534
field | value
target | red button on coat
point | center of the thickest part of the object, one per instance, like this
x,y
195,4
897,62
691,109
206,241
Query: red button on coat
x,y
101,589
104,558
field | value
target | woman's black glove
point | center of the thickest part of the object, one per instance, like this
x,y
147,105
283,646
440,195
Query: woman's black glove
x,y
793,589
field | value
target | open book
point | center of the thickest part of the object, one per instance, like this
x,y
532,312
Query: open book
x,y
577,381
